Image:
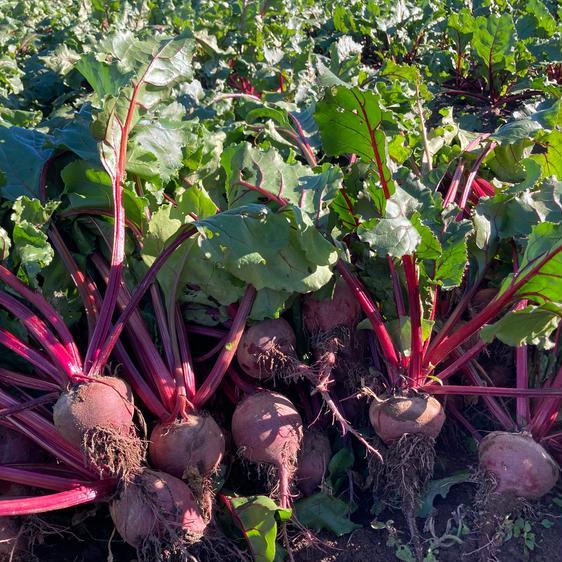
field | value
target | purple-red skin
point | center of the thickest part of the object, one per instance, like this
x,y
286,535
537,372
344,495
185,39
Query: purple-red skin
x,y
312,462
398,415
267,428
342,310
262,338
104,403
172,505
522,466
197,442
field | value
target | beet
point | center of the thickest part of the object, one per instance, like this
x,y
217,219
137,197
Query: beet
x,y
157,512
266,348
98,417
196,443
414,413
267,428
342,310
312,461
521,466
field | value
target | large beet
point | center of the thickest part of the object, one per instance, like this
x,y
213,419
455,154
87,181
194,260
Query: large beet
x,y
267,428
399,415
520,465
196,443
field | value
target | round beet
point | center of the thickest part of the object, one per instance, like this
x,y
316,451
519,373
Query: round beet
x,y
267,428
520,465
98,416
312,461
266,348
342,310
398,415
157,513
196,443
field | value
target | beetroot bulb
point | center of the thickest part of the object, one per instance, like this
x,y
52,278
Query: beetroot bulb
x,y
267,428
191,449
312,461
158,514
267,349
98,417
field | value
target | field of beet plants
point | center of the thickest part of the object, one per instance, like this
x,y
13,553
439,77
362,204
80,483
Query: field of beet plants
x,y
280,280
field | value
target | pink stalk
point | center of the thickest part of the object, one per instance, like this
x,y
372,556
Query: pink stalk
x,y
208,331
185,356
89,211
95,491
485,186
473,173
522,406
213,351
493,405
29,404
456,365
386,345
41,332
142,342
454,187
86,288
37,359
507,392
442,350
454,411
39,479
414,302
160,315
396,289
18,379
307,149
212,382
137,295
547,411
45,308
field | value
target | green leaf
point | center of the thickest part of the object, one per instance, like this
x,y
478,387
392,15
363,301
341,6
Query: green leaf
x,y
440,487
259,516
394,237
352,121
551,159
493,40
530,326
105,79
31,245
23,154
321,512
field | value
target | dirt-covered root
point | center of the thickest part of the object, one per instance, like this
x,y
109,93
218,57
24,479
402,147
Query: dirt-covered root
x,y
202,487
409,464
113,453
491,513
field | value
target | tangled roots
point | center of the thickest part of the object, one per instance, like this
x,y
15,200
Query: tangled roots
x,y
113,453
408,467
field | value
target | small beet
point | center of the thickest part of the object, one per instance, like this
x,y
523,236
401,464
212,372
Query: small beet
x,y
266,348
312,461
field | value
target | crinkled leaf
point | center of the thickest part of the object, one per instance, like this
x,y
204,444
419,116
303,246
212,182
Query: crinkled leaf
x,y
29,237
494,40
551,158
106,79
5,244
440,487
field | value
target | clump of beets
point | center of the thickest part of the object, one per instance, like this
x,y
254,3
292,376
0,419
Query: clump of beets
x,y
267,349
267,428
98,417
157,514
312,461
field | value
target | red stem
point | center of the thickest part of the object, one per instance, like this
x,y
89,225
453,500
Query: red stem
x,y
60,500
212,382
414,302
39,479
507,391
29,404
547,412
396,289
18,379
386,344
185,355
